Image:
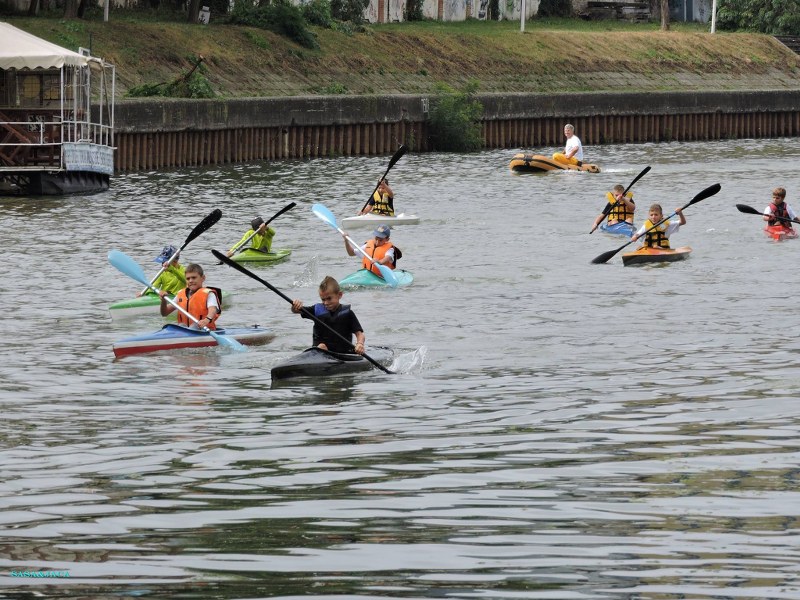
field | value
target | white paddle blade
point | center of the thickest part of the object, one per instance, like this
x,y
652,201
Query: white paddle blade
x,y
388,275
326,215
125,264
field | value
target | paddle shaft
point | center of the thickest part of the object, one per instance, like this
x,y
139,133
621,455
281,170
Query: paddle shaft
x,y
609,206
286,208
395,157
752,211
709,191
202,226
305,310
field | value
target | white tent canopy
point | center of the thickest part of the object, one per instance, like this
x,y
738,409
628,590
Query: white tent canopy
x,y
21,50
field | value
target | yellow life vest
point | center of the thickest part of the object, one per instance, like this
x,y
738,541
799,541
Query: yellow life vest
x,y
383,204
619,210
656,237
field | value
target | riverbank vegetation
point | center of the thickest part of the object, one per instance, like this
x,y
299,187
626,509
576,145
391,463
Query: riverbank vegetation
x,y
419,56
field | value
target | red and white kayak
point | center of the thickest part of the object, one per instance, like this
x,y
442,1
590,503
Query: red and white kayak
x,y
173,336
780,233
646,255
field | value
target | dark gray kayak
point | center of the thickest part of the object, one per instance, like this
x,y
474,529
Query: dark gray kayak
x,y
315,362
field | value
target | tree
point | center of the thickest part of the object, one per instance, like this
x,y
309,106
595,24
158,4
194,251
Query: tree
x,y
194,11
664,15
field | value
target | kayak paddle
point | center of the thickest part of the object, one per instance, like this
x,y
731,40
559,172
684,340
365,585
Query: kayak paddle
x,y
752,211
131,268
326,215
609,206
308,312
202,226
286,208
398,154
706,193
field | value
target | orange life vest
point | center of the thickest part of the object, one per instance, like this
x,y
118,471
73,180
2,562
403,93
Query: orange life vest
x,y
377,253
197,306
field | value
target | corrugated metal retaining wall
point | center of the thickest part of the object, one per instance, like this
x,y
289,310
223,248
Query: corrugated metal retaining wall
x,y
153,134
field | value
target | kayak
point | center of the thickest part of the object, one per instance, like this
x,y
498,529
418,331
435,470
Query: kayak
x,y
256,256
371,219
780,233
315,362
172,336
148,304
536,163
619,228
366,278
645,255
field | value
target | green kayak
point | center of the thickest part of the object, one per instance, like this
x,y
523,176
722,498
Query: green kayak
x,y
148,305
366,278
256,256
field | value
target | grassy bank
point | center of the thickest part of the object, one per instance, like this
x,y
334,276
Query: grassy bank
x,y
413,57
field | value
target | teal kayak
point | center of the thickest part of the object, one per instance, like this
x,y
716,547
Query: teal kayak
x,y
148,304
256,256
366,278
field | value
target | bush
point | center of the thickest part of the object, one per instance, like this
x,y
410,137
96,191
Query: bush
x,y
454,121
414,10
194,86
281,16
554,8
318,12
774,17
349,10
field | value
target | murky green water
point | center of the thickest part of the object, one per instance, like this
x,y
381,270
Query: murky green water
x,y
558,430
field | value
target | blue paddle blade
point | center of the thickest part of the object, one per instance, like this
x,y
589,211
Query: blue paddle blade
x,y
388,275
228,342
125,264
326,215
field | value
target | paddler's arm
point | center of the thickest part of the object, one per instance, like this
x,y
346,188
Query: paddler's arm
x,y
347,246
360,339
166,307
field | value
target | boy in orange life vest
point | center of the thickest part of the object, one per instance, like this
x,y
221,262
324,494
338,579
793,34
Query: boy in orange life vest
x,y
779,208
658,237
379,248
199,301
338,316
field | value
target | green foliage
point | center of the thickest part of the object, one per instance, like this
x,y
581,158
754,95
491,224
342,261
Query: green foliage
x,y
554,8
280,16
349,10
454,120
196,85
334,89
318,12
258,41
775,17
414,10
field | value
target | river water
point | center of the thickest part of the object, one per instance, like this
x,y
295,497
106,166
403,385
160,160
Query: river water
x,y
556,430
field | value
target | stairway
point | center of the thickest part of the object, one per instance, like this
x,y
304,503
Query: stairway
x,y
790,41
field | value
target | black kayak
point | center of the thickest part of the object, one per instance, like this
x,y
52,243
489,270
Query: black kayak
x,y
315,362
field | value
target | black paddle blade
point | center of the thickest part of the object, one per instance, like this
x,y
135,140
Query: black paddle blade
x,y
286,208
204,225
706,193
605,256
398,154
748,209
637,178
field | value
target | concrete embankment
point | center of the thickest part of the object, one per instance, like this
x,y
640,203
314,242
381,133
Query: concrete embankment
x,y
166,133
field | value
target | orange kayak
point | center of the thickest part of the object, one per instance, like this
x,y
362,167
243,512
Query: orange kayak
x,y
645,255
779,232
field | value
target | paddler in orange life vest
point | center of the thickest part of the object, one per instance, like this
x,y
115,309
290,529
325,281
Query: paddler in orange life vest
x,y
199,301
619,208
379,248
779,208
659,236
382,201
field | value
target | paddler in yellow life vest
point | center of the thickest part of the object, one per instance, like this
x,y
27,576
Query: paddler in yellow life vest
x,y
382,201
172,279
261,241
619,208
658,237
202,302
379,248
